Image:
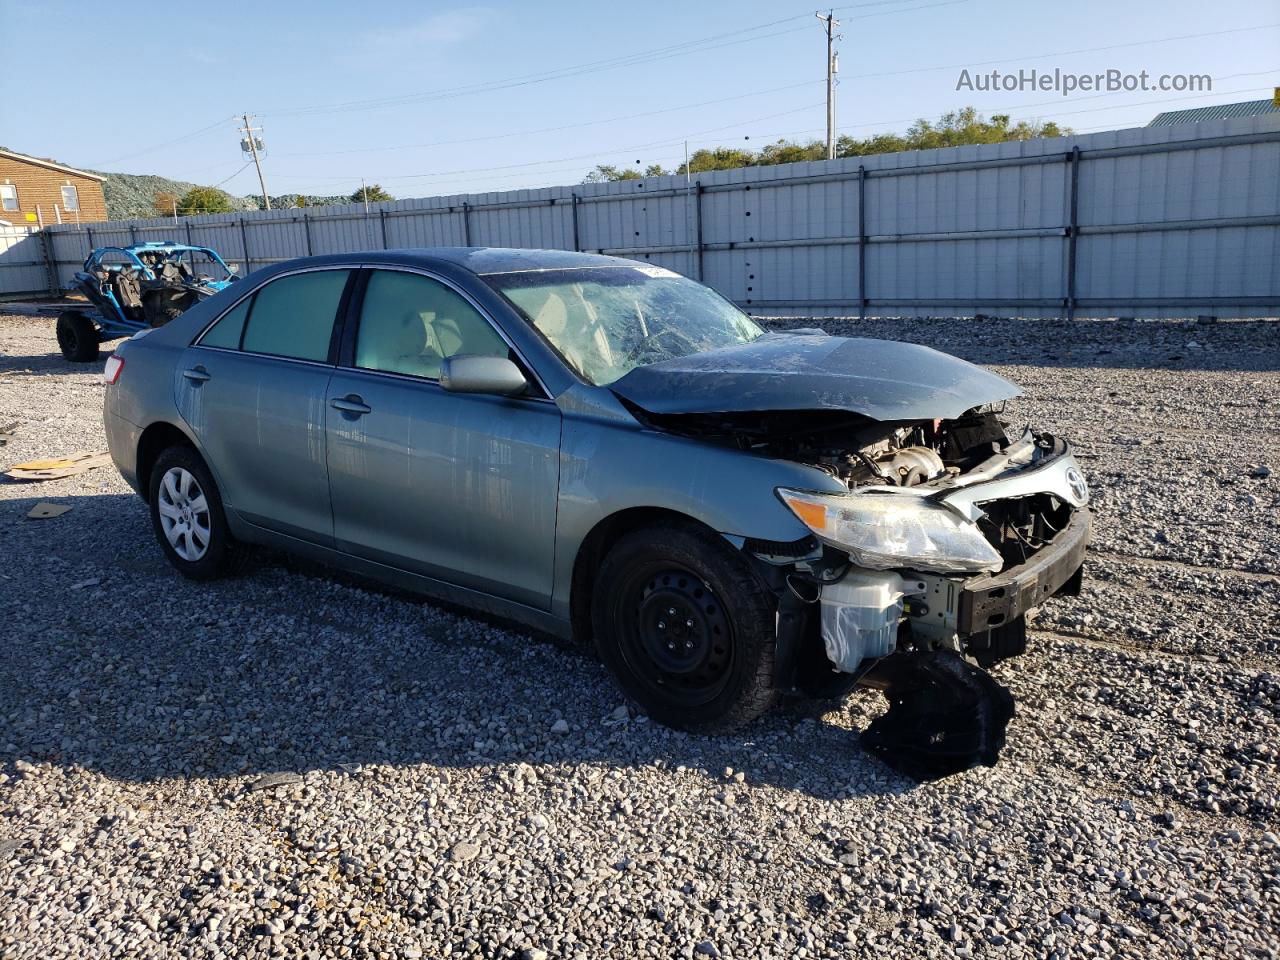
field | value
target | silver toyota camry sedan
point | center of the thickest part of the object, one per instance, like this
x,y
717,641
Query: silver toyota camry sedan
x,y
602,448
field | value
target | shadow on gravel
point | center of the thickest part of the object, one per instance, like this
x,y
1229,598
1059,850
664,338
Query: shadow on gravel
x,y
1243,345
111,662
50,364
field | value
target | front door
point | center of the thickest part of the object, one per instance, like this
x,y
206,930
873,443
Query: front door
x,y
254,390
459,487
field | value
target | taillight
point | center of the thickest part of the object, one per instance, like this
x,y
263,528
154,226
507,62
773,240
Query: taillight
x,y
111,372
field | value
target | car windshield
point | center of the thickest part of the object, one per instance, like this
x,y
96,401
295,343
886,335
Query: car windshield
x,y
606,321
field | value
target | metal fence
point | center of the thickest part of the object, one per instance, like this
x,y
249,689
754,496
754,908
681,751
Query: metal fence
x,y
1156,221
24,261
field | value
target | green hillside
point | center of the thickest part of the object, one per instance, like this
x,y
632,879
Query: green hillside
x,y
132,196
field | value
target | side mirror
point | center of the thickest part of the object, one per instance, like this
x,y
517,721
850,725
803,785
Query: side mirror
x,y
473,374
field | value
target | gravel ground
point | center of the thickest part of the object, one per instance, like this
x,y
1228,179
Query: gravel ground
x,y
295,764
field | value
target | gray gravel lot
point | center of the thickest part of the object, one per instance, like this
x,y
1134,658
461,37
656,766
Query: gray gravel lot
x,y
292,763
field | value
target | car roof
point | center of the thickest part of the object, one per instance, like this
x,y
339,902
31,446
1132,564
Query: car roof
x,y
477,260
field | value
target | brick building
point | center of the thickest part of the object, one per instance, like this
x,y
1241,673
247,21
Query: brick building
x,y
35,191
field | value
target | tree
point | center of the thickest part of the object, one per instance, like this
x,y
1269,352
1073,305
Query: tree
x,y
953,129
164,203
605,173
720,158
204,200
374,194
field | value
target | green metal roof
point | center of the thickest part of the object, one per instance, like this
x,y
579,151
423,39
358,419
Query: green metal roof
x,y
1250,108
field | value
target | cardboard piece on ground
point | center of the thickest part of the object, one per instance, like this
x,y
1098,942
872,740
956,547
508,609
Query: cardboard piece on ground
x,y
59,467
44,510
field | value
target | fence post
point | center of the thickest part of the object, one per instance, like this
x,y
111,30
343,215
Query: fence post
x,y
188,225
697,216
50,264
306,231
1073,231
577,245
133,234
862,242
466,224
244,244
382,223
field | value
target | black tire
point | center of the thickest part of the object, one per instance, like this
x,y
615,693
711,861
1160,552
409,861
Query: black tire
x,y
222,553
709,668
77,337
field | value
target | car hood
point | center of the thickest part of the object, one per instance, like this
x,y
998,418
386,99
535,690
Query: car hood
x,y
880,379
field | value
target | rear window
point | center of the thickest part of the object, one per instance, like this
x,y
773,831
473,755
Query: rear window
x,y
294,316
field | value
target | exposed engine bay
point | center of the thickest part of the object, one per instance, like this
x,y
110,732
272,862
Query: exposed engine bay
x,y
855,449
864,601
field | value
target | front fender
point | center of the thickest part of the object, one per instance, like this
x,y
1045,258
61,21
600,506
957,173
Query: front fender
x,y
610,463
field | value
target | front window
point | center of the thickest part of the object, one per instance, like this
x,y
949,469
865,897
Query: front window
x,y
409,324
8,196
606,321
70,198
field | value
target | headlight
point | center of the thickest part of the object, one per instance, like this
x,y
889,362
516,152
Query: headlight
x,y
887,531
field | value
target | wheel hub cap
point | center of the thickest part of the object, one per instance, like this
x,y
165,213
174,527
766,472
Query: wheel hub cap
x,y
184,514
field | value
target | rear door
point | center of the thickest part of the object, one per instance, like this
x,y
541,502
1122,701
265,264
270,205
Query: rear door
x,y
254,388
459,487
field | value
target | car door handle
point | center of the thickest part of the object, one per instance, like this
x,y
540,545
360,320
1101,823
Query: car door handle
x,y
197,374
350,404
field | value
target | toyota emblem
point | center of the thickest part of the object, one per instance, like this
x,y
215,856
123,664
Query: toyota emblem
x,y
1079,488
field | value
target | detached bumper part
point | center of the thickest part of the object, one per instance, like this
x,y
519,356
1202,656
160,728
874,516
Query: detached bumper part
x,y
944,715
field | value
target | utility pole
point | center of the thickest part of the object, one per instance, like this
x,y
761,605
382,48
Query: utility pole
x,y
250,145
833,65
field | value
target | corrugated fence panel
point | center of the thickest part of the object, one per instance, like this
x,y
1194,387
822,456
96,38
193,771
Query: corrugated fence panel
x,y
1175,220
23,265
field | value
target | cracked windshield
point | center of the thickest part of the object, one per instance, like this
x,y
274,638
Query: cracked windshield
x,y
606,321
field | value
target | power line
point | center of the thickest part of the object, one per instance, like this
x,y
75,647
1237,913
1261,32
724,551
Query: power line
x,y
1060,53
701,45
1023,106
567,126
233,176
167,143
585,156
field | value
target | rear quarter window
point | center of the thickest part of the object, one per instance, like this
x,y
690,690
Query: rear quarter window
x,y
227,330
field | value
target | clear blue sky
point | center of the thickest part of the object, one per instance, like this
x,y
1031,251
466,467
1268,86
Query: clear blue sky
x,y
119,82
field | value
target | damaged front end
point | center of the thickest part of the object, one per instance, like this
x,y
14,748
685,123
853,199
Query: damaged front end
x,y
923,572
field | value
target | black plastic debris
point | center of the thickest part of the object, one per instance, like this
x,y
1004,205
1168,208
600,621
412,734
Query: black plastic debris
x,y
945,715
